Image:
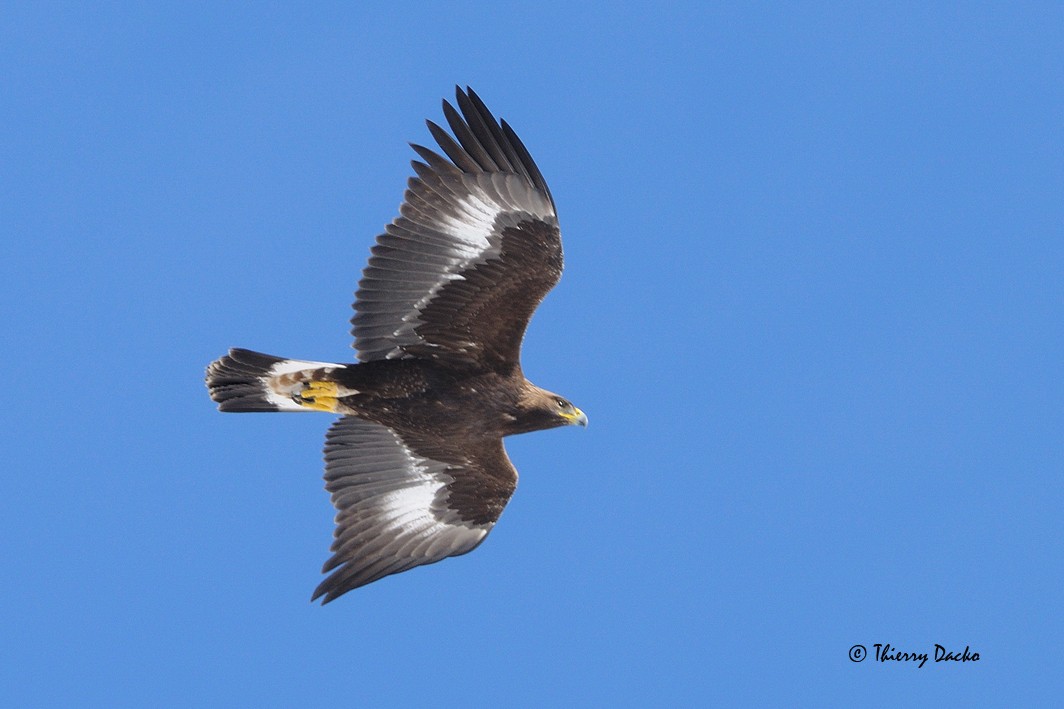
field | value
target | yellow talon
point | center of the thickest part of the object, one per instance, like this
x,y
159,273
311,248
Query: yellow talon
x,y
319,396
320,403
321,388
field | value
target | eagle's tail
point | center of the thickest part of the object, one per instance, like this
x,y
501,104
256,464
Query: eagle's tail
x,y
251,381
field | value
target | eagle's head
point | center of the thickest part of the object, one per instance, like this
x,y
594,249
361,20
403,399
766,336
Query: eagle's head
x,y
539,409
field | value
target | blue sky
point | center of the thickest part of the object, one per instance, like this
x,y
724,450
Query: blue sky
x,y
813,308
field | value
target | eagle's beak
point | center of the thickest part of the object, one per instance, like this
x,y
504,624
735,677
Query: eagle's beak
x,y
577,418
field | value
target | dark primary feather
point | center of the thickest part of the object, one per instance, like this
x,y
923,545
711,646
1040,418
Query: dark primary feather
x,y
488,132
477,240
476,149
400,505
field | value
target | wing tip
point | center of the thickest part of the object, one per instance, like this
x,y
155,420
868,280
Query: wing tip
x,y
479,125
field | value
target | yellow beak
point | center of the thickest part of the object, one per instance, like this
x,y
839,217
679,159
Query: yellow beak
x,y
576,417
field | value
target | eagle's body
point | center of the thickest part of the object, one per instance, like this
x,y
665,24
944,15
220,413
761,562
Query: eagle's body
x,y
416,466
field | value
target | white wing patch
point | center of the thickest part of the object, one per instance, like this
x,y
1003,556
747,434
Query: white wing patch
x,y
417,507
470,232
410,510
391,503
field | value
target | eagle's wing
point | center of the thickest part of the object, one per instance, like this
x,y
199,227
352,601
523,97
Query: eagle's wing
x,y
404,500
475,249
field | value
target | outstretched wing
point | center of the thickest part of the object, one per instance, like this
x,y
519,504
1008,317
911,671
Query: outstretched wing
x,y
475,249
404,500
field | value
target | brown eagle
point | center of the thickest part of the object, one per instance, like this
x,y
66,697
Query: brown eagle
x,y
416,465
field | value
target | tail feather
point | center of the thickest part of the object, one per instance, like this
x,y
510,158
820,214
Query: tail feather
x,y
245,381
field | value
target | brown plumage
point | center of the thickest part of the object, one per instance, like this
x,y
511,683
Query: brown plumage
x,y
416,465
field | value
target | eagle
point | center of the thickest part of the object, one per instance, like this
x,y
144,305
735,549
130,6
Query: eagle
x,y
416,465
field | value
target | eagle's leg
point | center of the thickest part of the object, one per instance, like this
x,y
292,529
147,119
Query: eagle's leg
x,y
318,395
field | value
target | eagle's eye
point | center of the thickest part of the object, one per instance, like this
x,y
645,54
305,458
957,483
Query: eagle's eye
x,y
562,403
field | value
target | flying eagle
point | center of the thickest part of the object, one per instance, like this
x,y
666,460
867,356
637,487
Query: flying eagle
x,y
416,464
